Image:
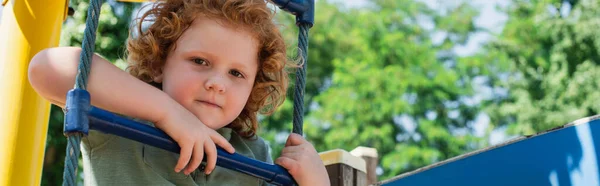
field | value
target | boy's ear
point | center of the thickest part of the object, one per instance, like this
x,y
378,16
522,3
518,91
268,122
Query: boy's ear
x,y
158,79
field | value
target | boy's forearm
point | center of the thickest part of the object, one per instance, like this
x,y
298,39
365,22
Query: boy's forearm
x,y
52,73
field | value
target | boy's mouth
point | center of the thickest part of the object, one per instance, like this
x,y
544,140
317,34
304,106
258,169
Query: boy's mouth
x,y
208,103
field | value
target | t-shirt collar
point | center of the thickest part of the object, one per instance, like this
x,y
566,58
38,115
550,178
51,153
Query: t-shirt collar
x,y
225,132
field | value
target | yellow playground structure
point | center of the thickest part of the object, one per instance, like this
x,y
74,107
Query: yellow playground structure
x,y
27,26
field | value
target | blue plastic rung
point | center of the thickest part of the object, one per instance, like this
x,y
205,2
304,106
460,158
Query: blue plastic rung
x,y
77,107
303,9
108,122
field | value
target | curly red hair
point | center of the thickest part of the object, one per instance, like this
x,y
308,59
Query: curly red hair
x,y
148,50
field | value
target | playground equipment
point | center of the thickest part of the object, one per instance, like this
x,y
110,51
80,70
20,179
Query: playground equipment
x,y
26,28
567,155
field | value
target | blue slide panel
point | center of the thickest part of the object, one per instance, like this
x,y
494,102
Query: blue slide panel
x,y
566,156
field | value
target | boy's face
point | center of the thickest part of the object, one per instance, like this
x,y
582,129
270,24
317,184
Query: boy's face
x,y
211,71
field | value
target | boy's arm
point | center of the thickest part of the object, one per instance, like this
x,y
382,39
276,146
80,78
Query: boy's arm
x,y
52,73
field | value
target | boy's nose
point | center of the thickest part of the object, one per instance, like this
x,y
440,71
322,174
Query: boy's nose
x,y
216,84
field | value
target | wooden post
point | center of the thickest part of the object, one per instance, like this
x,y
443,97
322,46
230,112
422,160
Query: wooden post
x,y
344,169
372,160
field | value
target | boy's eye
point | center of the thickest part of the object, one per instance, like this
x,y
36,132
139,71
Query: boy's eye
x,y
236,73
200,61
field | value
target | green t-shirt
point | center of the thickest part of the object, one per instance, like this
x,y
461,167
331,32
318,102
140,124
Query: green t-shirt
x,y
113,160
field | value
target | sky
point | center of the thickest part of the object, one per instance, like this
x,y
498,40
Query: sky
x,y
489,18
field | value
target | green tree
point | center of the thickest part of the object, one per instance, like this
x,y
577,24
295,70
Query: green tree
x,y
112,32
550,50
377,79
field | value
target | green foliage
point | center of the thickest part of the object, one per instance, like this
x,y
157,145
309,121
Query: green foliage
x,y
393,71
552,52
376,79
56,144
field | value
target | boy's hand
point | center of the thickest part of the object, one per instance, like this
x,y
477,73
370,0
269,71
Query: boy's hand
x,y
194,138
302,161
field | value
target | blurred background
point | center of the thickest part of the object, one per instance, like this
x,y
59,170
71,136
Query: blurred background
x,y
421,81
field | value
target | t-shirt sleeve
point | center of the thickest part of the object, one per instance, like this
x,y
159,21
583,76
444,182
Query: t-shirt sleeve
x,y
269,158
97,139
